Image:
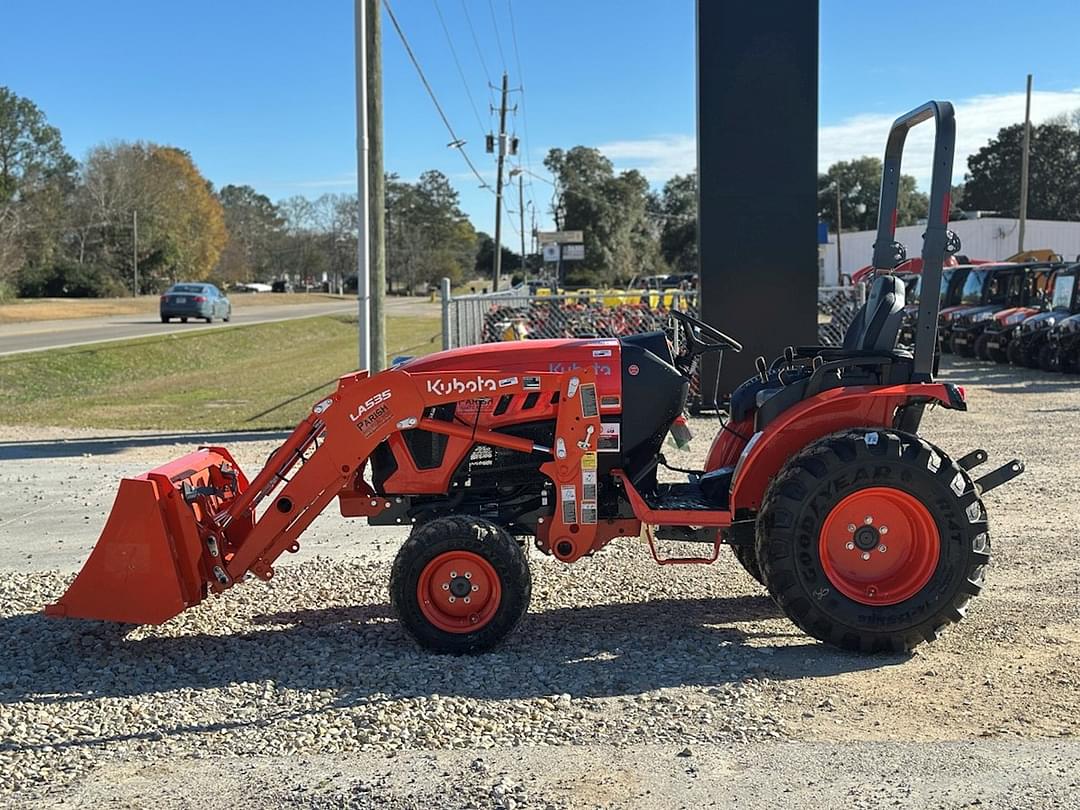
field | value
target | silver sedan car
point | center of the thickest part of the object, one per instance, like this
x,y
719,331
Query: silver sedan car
x,y
185,301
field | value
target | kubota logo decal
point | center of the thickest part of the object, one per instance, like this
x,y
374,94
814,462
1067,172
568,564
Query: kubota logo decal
x,y
382,396
474,385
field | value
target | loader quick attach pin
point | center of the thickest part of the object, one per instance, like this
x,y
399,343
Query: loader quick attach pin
x,y
212,546
220,574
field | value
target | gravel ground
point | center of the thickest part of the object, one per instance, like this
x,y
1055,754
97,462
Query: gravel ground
x,y
627,685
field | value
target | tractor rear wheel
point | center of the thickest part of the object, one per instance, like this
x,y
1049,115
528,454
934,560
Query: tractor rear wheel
x,y
873,540
460,585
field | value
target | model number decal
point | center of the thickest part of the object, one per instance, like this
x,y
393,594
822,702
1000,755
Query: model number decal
x,y
382,396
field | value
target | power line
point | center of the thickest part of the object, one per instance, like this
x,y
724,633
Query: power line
x,y
461,72
498,36
524,117
479,50
455,142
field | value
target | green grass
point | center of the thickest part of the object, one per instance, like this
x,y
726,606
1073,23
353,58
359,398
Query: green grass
x,y
241,378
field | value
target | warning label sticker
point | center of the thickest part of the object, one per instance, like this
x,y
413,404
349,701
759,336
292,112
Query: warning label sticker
x,y
569,504
588,401
588,486
588,461
609,437
588,512
531,383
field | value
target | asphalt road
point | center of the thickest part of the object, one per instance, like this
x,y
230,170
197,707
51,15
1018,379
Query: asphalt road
x,y
37,335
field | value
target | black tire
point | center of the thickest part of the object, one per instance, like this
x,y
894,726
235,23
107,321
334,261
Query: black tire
x,y
747,557
164,319
997,355
1048,359
805,493
1014,354
1069,365
183,320
473,536
982,351
945,344
959,349
228,316
210,319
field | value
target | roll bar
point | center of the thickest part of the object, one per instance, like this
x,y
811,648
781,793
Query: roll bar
x,y
888,253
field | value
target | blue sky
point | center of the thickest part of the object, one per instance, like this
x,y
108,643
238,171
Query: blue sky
x,y
262,92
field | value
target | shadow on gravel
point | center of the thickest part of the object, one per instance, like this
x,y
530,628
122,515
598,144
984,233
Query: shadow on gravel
x,y
106,445
1006,379
594,651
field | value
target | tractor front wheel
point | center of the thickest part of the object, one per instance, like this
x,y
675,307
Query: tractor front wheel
x,y
873,540
1048,359
982,350
460,585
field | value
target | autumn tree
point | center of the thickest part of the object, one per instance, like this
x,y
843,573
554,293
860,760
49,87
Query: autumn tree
x,y
181,224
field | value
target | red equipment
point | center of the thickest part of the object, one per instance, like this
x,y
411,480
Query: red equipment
x,y
866,535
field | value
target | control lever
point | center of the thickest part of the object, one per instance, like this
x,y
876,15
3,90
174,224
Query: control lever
x,y
762,368
789,355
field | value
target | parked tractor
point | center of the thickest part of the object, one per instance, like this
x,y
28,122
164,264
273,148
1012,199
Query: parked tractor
x,y
1031,345
1021,287
867,535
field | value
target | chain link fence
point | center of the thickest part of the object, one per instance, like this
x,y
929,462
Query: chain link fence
x,y
520,314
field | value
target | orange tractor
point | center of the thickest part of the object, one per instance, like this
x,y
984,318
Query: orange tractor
x,y
865,534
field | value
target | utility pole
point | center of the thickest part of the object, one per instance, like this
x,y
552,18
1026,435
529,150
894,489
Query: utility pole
x,y
839,227
377,181
499,184
1024,170
135,251
521,211
363,297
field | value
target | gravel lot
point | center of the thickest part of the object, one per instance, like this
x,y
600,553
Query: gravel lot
x,y
627,685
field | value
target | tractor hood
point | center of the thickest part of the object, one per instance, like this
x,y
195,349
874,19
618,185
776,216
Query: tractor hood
x,y
1014,315
1044,320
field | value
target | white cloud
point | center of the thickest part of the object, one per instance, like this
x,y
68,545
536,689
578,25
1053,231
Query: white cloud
x,y
978,119
657,158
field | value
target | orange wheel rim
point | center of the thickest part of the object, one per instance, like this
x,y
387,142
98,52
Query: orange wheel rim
x,y
459,592
879,546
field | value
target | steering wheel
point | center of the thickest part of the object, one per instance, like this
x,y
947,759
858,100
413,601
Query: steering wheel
x,y
702,338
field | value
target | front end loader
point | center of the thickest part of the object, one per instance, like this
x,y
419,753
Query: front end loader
x,y
866,535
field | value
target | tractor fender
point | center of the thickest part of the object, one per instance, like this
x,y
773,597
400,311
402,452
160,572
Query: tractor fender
x,y
833,410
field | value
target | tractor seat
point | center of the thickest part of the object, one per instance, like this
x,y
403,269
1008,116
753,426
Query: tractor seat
x,y
873,331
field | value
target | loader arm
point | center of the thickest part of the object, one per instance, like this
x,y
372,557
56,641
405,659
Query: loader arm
x,y
196,525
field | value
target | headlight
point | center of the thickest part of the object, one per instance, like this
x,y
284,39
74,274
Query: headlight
x,y
981,316
1018,317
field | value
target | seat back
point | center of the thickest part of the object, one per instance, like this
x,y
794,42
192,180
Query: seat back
x,y
877,323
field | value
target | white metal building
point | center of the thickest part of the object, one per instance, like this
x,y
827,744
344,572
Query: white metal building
x,y
988,238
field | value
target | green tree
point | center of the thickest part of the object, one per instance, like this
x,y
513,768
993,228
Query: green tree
x,y
859,181
993,179
254,227
611,209
675,209
485,258
37,178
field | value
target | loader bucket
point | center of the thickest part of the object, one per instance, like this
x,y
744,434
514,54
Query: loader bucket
x,y
148,565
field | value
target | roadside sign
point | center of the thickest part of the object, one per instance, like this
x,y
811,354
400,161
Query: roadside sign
x,y
551,252
573,253
547,237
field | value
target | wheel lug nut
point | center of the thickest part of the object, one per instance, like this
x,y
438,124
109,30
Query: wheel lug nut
x,y
851,528
882,548
468,575
883,530
446,586
868,519
467,600
453,574
476,587
451,599
850,546
865,556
